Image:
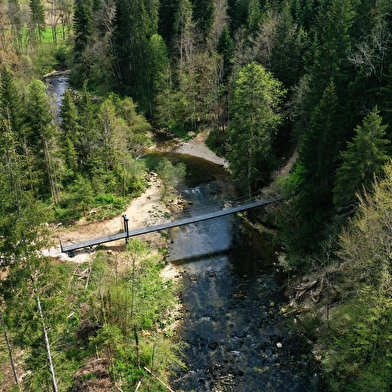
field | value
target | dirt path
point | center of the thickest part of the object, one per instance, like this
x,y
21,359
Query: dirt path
x,y
286,166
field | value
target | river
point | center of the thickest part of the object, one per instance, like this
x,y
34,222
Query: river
x,y
237,337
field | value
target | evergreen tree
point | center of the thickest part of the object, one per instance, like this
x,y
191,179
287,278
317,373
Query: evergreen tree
x,y
255,17
157,66
87,131
203,15
42,135
166,20
37,11
331,58
134,25
11,108
255,117
290,44
363,159
316,168
225,47
183,27
83,24
69,125
22,235
357,350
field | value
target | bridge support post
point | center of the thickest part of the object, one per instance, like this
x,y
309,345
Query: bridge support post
x,y
126,228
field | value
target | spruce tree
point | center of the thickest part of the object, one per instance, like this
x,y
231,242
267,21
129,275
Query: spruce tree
x,y
11,108
255,17
255,117
361,161
83,25
69,125
42,137
316,168
37,11
331,58
203,15
225,48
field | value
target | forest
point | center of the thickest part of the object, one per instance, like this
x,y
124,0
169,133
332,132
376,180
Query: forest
x,y
266,78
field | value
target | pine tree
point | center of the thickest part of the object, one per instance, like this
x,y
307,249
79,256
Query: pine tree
x,y
290,44
255,17
331,58
87,131
37,11
21,231
11,108
42,135
361,161
183,27
225,47
255,117
316,167
83,25
69,125
203,15
158,63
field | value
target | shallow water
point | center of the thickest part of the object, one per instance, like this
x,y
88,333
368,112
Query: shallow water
x,y
233,325
55,86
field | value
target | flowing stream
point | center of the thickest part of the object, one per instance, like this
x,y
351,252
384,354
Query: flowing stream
x,y
237,337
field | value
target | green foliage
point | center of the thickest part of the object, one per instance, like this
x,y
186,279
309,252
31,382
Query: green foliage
x,y
362,160
255,107
83,25
225,48
203,14
316,170
37,11
358,354
125,302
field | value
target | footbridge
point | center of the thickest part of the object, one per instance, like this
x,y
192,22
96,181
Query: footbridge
x,y
168,225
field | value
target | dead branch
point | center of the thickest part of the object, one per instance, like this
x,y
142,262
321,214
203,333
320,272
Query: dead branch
x,y
152,374
138,385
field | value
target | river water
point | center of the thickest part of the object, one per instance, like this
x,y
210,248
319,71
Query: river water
x,y
237,337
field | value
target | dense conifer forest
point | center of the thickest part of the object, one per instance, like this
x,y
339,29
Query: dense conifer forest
x,y
266,78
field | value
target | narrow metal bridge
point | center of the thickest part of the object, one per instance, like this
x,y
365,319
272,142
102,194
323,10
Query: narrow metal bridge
x,y
186,221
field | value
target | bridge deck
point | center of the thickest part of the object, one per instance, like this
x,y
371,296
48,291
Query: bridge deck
x,y
168,225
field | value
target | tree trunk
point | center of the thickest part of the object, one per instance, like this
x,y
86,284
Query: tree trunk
x,y
47,345
10,351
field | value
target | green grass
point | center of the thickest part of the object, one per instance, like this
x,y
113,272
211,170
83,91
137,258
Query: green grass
x,y
48,56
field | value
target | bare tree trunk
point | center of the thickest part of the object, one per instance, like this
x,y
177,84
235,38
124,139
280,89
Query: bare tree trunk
x,y
46,339
10,351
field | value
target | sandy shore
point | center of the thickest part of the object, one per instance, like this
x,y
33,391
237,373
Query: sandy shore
x,y
198,148
147,209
